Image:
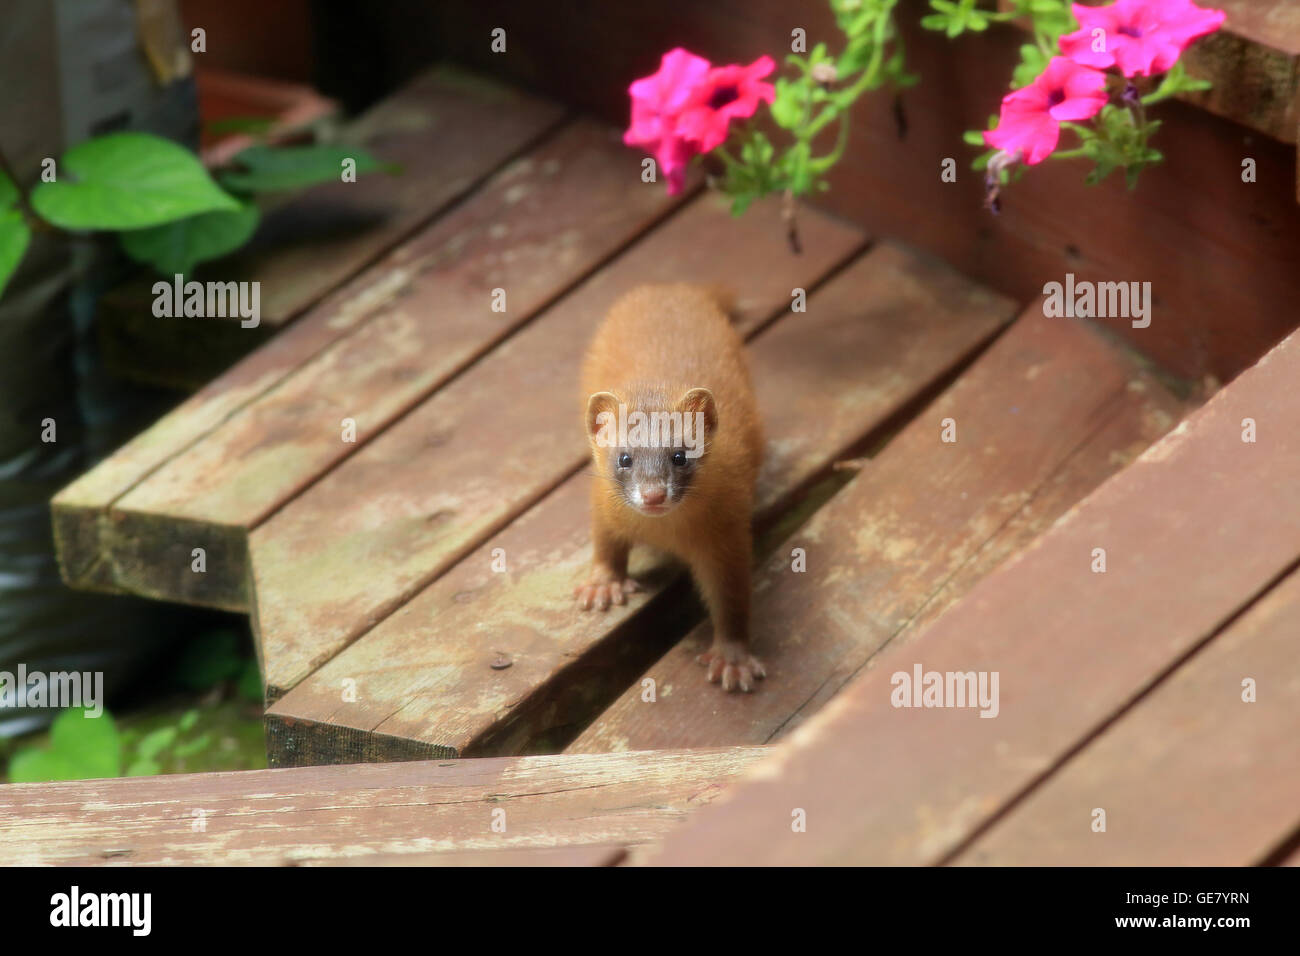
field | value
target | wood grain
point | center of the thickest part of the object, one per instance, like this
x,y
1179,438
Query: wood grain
x,y
1049,407
446,130
556,809
1072,647
447,167
362,540
533,231
1191,210
875,336
1192,776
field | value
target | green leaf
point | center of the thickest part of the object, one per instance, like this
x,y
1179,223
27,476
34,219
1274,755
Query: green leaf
x,y
144,767
14,239
192,747
188,720
787,107
127,181
91,744
177,247
156,742
81,747
269,168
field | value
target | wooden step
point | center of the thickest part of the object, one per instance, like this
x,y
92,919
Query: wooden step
x,y
1041,418
547,810
534,230
1192,775
447,130
1194,531
464,463
881,332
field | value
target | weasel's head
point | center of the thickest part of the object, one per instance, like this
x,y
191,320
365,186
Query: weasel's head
x,y
651,454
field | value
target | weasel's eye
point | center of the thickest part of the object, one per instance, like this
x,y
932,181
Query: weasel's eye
x,y
625,460
679,458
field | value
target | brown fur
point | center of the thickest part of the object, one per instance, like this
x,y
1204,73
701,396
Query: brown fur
x,y
656,344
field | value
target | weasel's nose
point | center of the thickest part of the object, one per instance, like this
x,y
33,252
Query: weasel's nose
x,y
654,496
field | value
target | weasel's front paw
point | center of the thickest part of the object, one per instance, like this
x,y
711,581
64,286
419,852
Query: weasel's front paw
x,y
733,665
603,588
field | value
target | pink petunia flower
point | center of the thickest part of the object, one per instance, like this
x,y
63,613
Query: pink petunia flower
x,y
728,92
657,104
1031,117
1140,37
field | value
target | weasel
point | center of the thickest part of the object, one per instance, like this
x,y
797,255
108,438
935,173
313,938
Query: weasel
x,y
675,437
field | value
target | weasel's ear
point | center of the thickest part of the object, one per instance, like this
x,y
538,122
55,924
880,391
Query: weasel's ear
x,y
602,412
701,400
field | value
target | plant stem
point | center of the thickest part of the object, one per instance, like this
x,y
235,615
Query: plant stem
x,y
33,220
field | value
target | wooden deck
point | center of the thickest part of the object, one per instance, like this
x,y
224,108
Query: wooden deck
x,y
385,634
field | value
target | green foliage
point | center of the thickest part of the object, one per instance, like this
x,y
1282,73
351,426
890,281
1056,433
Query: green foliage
x,y
223,732
167,209
1174,82
270,169
127,181
808,102
80,747
1117,138
177,247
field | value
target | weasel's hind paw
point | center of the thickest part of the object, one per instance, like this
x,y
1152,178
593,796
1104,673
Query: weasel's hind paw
x,y
600,591
733,666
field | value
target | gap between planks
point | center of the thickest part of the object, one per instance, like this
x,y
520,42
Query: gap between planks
x,y
887,326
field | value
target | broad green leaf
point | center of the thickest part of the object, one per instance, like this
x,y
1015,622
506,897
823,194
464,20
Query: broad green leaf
x,y
127,181
14,238
271,168
177,247
89,744
787,107
32,765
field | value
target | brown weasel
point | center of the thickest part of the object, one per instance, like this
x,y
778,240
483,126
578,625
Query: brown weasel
x,y
682,483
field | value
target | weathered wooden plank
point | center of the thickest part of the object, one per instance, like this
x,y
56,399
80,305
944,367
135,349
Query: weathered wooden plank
x,y
897,539
452,166
491,443
580,807
1193,775
1193,531
447,130
1254,63
533,231
880,332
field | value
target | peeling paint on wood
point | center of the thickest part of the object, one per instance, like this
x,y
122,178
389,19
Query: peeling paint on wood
x,y
554,809
359,543
1072,648
875,336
